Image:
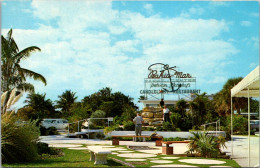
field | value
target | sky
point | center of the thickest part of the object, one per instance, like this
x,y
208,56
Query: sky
x,y
89,45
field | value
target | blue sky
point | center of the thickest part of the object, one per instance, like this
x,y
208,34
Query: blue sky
x,y
89,45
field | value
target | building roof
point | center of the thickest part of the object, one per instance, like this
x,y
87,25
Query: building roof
x,y
251,82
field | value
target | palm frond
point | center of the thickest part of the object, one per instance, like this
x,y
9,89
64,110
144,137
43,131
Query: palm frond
x,y
26,87
17,97
25,53
33,75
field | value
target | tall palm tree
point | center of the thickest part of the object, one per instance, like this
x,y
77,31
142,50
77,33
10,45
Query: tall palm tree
x,y
181,106
198,108
13,75
42,107
222,100
65,101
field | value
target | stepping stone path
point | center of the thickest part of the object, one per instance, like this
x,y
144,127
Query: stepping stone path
x,y
150,151
161,161
125,151
114,153
173,165
106,146
136,155
115,149
202,161
170,157
135,160
83,148
64,145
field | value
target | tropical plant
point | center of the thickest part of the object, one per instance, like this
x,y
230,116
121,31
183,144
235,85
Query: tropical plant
x,y
65,101
206,145
109,129
112,103
79,111
42,108
9,98
129,126
181,106
222,100
240,125
13,75
18,139
175,119
97,114
198,108
167,126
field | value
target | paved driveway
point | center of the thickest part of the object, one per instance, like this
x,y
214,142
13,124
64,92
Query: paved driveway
x,y
240,150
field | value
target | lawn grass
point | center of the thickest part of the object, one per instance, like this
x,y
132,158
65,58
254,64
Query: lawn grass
x,y
80,158
71,158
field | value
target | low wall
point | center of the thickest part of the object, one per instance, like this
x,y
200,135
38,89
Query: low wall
x,y
165,134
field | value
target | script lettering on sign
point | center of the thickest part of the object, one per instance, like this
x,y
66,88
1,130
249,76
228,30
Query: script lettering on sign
x,y
166,72
163,79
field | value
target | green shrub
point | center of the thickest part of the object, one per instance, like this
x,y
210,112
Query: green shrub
x,y
111,128
18,140
167,126
178,129
108,138
100,136
211,128
206,145
120,138
129,126
159,128
94,123
175,119
186,124
239,125
48,131
174,139
43,148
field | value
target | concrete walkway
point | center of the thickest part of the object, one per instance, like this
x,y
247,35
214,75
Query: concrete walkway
x,y
55,139
240,150
240,146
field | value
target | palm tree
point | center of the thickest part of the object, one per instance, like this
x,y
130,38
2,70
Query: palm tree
x,y
65,101
181,106
13,75
43,108
198,108
222,100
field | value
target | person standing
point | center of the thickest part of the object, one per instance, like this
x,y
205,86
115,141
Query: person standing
x,y
138,120
166,114
162,103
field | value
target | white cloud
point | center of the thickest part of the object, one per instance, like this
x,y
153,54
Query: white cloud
x,y
192,12
245,23
84,54
149,8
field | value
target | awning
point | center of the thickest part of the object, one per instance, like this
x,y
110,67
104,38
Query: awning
x,y
251,81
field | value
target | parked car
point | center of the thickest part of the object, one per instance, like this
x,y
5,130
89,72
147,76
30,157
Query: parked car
x,y
57,123
254,124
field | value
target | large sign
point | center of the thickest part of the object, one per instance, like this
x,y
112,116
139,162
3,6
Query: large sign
x,y
165,79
